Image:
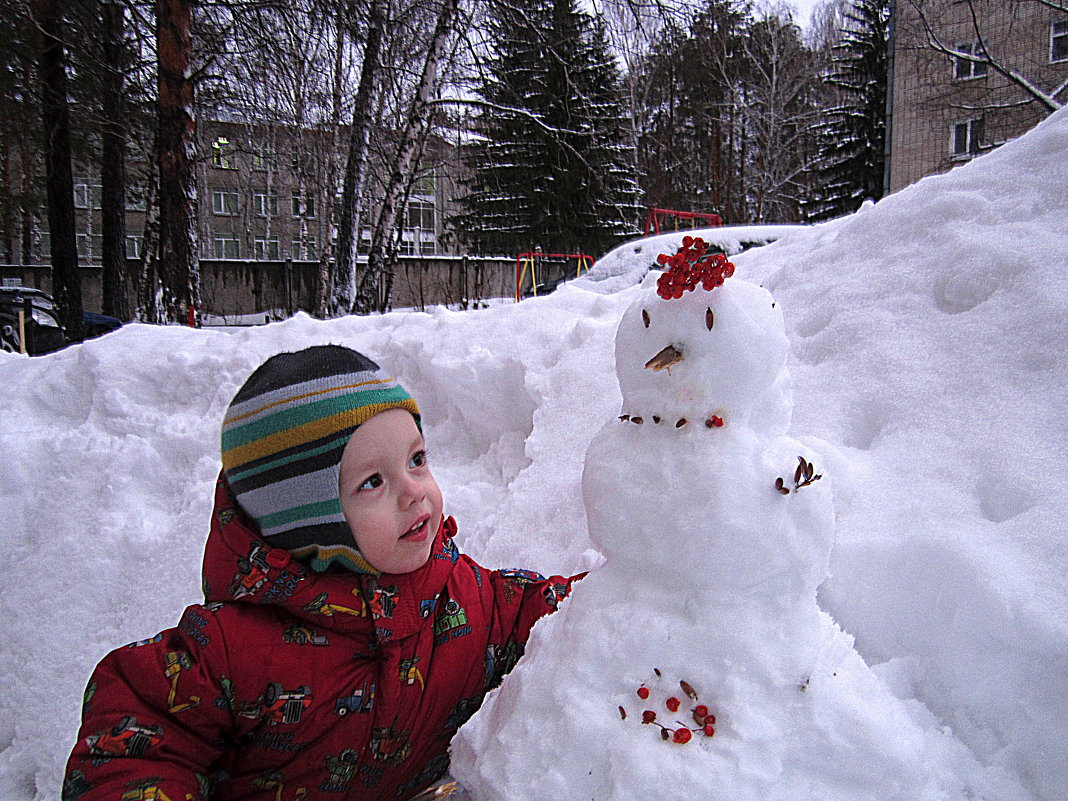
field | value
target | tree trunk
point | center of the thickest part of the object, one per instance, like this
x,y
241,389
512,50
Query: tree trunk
x,y
149,306
59,180
382,257
178,264
114,296
323,289
356,167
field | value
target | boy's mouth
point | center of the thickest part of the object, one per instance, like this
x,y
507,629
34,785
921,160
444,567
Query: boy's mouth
x,y
418,532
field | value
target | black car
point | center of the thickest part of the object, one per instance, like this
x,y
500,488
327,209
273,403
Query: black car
x,y
44,333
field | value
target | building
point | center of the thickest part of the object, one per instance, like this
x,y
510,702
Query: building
x,y
960,68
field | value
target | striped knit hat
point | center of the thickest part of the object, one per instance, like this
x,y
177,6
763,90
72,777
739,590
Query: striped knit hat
x,y
282,440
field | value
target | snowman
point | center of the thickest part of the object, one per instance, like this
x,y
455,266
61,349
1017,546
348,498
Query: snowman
x,y
695,663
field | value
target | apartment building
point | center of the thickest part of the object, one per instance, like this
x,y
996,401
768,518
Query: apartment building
x,y
263,192
949,108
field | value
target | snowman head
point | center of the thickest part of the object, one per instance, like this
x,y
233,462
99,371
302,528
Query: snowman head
x,y
703,358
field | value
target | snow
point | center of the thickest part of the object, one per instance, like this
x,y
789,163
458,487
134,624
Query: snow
x,y
928,386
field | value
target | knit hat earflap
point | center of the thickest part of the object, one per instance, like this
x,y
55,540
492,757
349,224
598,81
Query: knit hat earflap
x,y
282,440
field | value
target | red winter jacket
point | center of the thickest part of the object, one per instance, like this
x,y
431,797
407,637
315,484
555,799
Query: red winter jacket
x,y
290,685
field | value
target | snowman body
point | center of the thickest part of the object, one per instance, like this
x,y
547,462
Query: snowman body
x,y
710,578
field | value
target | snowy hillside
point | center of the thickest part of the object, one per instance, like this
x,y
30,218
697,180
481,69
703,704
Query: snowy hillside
x,y
926,350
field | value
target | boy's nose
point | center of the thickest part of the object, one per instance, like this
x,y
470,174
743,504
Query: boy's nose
x,y
411,491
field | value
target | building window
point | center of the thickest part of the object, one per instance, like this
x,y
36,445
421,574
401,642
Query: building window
x,y
307,251
224,201
87,195
264,203
265,249
262,160
222,153
419,236
964,68
304,206
90,246
967,138
424,184
133,245
1058,40
227,247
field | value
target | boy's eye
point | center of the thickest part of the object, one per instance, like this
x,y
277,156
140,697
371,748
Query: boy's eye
x,y
372,482
418,459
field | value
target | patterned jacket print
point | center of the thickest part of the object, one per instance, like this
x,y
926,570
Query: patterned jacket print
x,y
288,685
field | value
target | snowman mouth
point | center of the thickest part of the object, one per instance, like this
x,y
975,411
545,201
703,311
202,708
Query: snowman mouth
x,y
665,359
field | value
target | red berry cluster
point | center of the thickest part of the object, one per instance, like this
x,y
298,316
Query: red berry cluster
x,y
690,267
705,721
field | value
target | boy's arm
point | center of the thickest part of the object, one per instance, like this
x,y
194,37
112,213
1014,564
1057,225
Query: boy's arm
x,y
155,717
521,598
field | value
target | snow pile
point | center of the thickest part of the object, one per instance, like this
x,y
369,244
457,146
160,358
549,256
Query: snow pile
x,y
628,264
928,387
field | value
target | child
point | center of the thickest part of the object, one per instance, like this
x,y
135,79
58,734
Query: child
x,y
344,638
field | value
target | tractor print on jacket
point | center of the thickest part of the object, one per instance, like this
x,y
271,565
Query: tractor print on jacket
x,y
342,768
361,700
321,605
409,673
278,705
125,739
302,635
276,780
251,572
147,789
451,624
390,746
174,663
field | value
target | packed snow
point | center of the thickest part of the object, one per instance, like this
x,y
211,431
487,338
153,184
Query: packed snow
x,y
928,385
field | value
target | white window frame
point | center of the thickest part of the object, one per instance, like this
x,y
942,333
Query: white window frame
x,y
224,240
133,244
264,203
965,69
1056,36
975,133
219,205
303,205
264,249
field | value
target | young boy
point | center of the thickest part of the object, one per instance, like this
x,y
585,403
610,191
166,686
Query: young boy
x,y
344,638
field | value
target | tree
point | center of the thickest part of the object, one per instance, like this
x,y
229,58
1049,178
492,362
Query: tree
x,y
780,112
692,144
114,296
853,137
59,180
553,167
178,263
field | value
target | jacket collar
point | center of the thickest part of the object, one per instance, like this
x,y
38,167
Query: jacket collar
x,y
240,567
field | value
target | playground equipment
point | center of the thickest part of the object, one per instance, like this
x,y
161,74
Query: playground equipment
x,y
653,218
531,258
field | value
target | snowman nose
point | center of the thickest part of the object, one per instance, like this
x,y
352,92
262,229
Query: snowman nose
x,y
665,358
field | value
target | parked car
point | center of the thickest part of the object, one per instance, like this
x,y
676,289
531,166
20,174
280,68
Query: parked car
x,y
45,334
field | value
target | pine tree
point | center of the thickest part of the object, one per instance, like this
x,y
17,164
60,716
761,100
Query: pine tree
x,y
854,136
552,167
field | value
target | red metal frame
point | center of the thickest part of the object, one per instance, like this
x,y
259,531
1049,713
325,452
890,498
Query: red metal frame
x,y
581,258
652,219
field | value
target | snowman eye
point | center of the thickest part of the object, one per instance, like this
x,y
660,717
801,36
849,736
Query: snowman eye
x,y
710,319
645,317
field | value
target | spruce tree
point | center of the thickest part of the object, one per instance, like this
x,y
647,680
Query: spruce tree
x,y
551,167
853,137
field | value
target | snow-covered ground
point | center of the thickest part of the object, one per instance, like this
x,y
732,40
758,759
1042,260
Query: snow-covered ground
x,y
927,338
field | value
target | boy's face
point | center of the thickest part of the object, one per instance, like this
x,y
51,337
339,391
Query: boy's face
x,y
390,500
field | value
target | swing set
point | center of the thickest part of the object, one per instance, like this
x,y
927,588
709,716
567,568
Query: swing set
x,y
654,217
530,260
